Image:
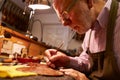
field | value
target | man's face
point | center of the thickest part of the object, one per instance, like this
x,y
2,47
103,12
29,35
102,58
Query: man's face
x,y
78,17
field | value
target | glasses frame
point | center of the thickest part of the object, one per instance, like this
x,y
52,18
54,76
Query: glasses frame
x,y
64,14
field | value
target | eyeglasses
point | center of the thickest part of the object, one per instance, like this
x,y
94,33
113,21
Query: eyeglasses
x,y
65,16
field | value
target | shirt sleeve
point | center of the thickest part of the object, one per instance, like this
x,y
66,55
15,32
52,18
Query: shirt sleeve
x,y
82,63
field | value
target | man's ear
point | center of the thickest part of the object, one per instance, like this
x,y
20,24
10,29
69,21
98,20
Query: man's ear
x,y
90,3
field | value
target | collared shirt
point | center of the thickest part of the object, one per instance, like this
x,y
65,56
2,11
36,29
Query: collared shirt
x,y
97,42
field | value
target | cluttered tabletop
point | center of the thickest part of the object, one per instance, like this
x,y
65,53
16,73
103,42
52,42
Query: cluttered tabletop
x,y
22,59
39,78
31,70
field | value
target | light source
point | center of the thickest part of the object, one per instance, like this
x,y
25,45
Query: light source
x,y
37,4
34,5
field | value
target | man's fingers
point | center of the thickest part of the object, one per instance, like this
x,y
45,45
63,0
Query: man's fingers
x,y
55,58
46,59
50,64
50,52
70,72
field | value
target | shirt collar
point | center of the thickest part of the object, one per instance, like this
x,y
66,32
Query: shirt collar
x,y
104,14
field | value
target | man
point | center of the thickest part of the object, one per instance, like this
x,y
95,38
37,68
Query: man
x,y
90,16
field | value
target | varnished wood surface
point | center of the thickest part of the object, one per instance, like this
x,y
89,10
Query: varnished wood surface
x,y
40,78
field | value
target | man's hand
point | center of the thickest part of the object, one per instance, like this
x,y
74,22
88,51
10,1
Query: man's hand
x,y
75,74
56,58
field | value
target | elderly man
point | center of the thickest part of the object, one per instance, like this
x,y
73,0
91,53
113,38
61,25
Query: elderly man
x,y
90,17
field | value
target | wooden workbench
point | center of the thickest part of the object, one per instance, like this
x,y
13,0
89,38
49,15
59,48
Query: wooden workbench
x,y
40,78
